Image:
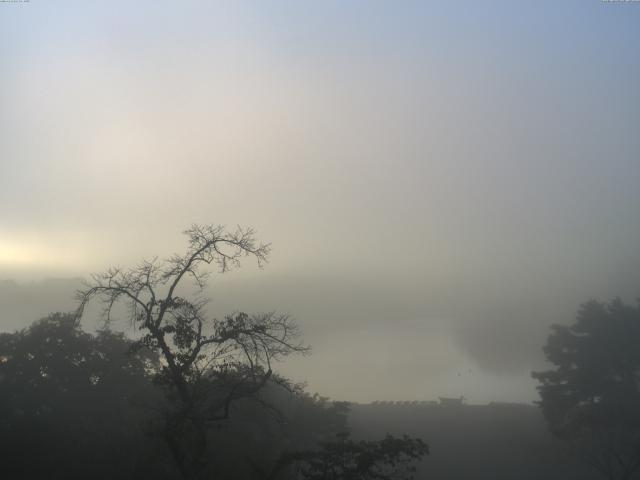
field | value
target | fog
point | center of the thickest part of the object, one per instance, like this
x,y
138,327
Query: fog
x,y
439,182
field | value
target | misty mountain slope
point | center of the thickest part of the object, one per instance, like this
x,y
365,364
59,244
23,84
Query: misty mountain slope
x,y
495,441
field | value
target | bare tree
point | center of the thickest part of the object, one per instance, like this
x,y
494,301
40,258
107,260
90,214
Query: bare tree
x,y
207,364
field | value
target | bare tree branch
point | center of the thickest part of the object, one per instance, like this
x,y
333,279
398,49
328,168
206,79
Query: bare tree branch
x,y
209,363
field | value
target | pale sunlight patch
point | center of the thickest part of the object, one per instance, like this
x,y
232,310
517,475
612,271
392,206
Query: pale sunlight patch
x,y
30,253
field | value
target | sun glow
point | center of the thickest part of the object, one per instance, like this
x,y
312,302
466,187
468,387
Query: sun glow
x,y
11,254
31,253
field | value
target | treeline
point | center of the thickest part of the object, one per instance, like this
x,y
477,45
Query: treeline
x,y
81,405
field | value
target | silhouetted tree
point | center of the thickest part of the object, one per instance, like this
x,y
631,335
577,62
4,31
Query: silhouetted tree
x,y
591,398
208,365
68,403
344,459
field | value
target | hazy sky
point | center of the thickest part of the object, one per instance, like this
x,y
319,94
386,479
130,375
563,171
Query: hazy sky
x,y
440,180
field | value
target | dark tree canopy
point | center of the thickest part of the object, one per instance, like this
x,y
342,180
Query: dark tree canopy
x,y
72,404
591,397
345,459
81,405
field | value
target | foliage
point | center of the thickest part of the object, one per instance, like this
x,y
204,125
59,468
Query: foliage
x,y
346,459
250,443
68,404
591,398
81,405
